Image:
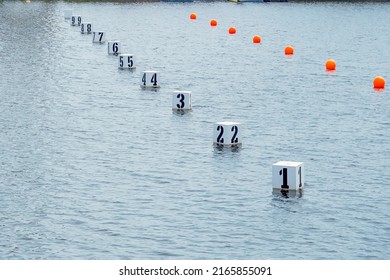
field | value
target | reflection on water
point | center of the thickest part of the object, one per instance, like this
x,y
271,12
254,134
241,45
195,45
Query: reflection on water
x,y
288,193
219,148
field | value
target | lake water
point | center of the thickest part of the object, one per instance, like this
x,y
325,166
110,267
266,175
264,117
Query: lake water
x,y
94,167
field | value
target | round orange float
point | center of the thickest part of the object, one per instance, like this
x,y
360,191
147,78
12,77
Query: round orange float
x,y
213,22
193,16
256,39
232,30
289,50
330,65
379,82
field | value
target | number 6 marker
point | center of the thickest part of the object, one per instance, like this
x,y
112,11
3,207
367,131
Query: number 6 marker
x,y
114,47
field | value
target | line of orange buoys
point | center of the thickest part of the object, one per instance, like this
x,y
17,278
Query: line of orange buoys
x,y
330,65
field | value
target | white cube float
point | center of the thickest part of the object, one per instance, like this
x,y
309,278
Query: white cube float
x,y
98,37
181,100
126,61
86,28
227,133
150,79
68,14
114,47
288,175
75,20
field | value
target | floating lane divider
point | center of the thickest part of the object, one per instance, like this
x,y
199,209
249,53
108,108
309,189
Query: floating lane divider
x,y
227,134
181,100
99,37
114,47
68,14
75,20
86,28
150,79
126,61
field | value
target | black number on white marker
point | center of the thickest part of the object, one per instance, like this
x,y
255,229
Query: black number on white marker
x,y
130,61
154,79
284,173
115,47
181,97
234,138
219,138
144,79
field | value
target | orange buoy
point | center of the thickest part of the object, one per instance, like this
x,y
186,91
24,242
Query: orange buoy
x,y
213,22
289,50
193,16
379,82
256,39
232,30
330,65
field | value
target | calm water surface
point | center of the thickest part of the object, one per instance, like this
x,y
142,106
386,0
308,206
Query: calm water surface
x,y
94,167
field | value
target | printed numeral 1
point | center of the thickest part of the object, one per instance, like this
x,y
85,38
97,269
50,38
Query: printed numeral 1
x,y
284,172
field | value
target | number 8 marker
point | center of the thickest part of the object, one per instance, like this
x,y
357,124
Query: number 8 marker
x,y
86,28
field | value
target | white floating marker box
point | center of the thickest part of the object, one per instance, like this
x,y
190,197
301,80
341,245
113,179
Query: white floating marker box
x,y
150,79
181,100
99,37
86,28
288,175
126,61
227,133
68,14
75,20
114,47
